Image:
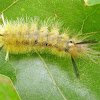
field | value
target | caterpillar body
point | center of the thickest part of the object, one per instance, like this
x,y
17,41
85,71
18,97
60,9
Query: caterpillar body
x,y
21,37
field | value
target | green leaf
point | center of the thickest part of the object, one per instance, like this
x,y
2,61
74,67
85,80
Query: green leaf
x,y
91,2
7,92
56,80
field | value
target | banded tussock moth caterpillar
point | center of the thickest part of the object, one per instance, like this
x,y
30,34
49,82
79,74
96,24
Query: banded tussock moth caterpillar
x,y
20,36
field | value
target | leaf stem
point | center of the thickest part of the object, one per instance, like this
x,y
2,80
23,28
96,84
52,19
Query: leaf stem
x,y
9,6
51,75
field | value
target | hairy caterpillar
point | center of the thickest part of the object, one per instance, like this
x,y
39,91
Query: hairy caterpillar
x,y
21,36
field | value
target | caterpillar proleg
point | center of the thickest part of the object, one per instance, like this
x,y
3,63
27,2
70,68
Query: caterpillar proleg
x,y
20,36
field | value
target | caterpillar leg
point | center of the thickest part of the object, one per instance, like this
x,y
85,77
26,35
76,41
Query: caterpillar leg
x,y
3,19
7,56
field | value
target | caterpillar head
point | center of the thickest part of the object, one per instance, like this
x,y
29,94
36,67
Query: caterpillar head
x,y
78,48
75,49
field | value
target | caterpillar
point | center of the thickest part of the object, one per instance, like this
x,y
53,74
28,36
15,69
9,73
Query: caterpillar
x,y
20,36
